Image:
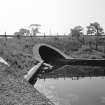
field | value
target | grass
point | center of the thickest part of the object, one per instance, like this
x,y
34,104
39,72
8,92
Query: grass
x,y
14,90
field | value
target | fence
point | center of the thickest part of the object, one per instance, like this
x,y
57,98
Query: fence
x,y
63,35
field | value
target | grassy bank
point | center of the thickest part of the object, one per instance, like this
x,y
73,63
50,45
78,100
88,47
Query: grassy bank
x,y
14,90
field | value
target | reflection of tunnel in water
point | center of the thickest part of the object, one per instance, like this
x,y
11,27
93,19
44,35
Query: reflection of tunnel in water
x,y
50,55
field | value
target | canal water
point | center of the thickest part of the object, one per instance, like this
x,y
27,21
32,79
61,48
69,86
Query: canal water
x,y
76,89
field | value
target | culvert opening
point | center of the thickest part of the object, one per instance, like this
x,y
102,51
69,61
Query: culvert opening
x,y
50,55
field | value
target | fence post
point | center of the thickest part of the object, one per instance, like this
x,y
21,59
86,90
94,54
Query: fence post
x,y
83,40
31,37
5,36
44,35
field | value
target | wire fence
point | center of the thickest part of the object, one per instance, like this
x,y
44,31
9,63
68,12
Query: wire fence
x,y
63,35
84,37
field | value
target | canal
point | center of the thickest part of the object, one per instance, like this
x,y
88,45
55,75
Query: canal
x,y
74,86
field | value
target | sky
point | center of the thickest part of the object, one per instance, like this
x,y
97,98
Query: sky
x,y
55,16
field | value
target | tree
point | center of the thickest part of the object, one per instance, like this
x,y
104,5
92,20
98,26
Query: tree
x,y
90,30
76,31
22,32
34,29
94,29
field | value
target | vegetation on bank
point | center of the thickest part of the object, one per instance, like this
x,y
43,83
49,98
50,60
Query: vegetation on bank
x,y
14,90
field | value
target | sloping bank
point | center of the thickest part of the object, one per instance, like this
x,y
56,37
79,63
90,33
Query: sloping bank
x,y
14,90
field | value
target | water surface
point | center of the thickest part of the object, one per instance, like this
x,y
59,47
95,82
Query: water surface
x,y
87,90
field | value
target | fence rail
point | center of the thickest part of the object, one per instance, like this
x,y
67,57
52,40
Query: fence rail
x,y
33,36
12,36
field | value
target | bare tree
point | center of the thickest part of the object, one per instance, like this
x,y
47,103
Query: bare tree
x,y
34,29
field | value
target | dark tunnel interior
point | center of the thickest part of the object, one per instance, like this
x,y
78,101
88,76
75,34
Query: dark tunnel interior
x,y
50,55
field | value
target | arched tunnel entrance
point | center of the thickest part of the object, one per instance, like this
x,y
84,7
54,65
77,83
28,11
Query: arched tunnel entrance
x,y
50,55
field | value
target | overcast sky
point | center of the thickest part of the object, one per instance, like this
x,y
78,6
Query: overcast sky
x,y
54,15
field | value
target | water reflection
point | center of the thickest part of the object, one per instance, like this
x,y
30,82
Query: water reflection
x,y
74,86
75,72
